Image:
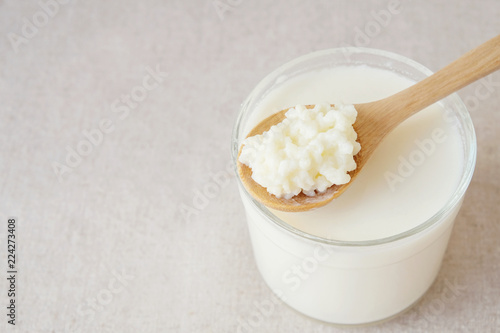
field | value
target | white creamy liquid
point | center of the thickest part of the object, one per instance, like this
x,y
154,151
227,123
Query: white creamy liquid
x,y
389,196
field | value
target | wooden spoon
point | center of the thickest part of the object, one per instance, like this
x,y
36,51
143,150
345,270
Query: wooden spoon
x,y
376,119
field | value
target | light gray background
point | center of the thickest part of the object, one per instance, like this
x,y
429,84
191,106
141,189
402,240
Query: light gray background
x,y
109,247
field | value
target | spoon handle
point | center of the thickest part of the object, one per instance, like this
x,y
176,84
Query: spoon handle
x,y
472,66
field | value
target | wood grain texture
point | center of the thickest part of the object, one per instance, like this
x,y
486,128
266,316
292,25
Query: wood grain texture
x,y
377,119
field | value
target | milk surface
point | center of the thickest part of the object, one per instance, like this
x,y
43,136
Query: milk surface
x,y
410,177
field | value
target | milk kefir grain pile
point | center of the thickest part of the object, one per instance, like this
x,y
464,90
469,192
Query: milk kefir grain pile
x,y
309,151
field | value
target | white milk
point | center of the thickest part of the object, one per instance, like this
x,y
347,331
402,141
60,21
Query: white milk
x,y
392,193
409,179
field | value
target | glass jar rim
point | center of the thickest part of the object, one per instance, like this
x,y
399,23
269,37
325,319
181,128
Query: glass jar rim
x,y
454,99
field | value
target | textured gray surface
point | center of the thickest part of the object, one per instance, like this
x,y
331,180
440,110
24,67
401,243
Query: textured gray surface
x,y
105,247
